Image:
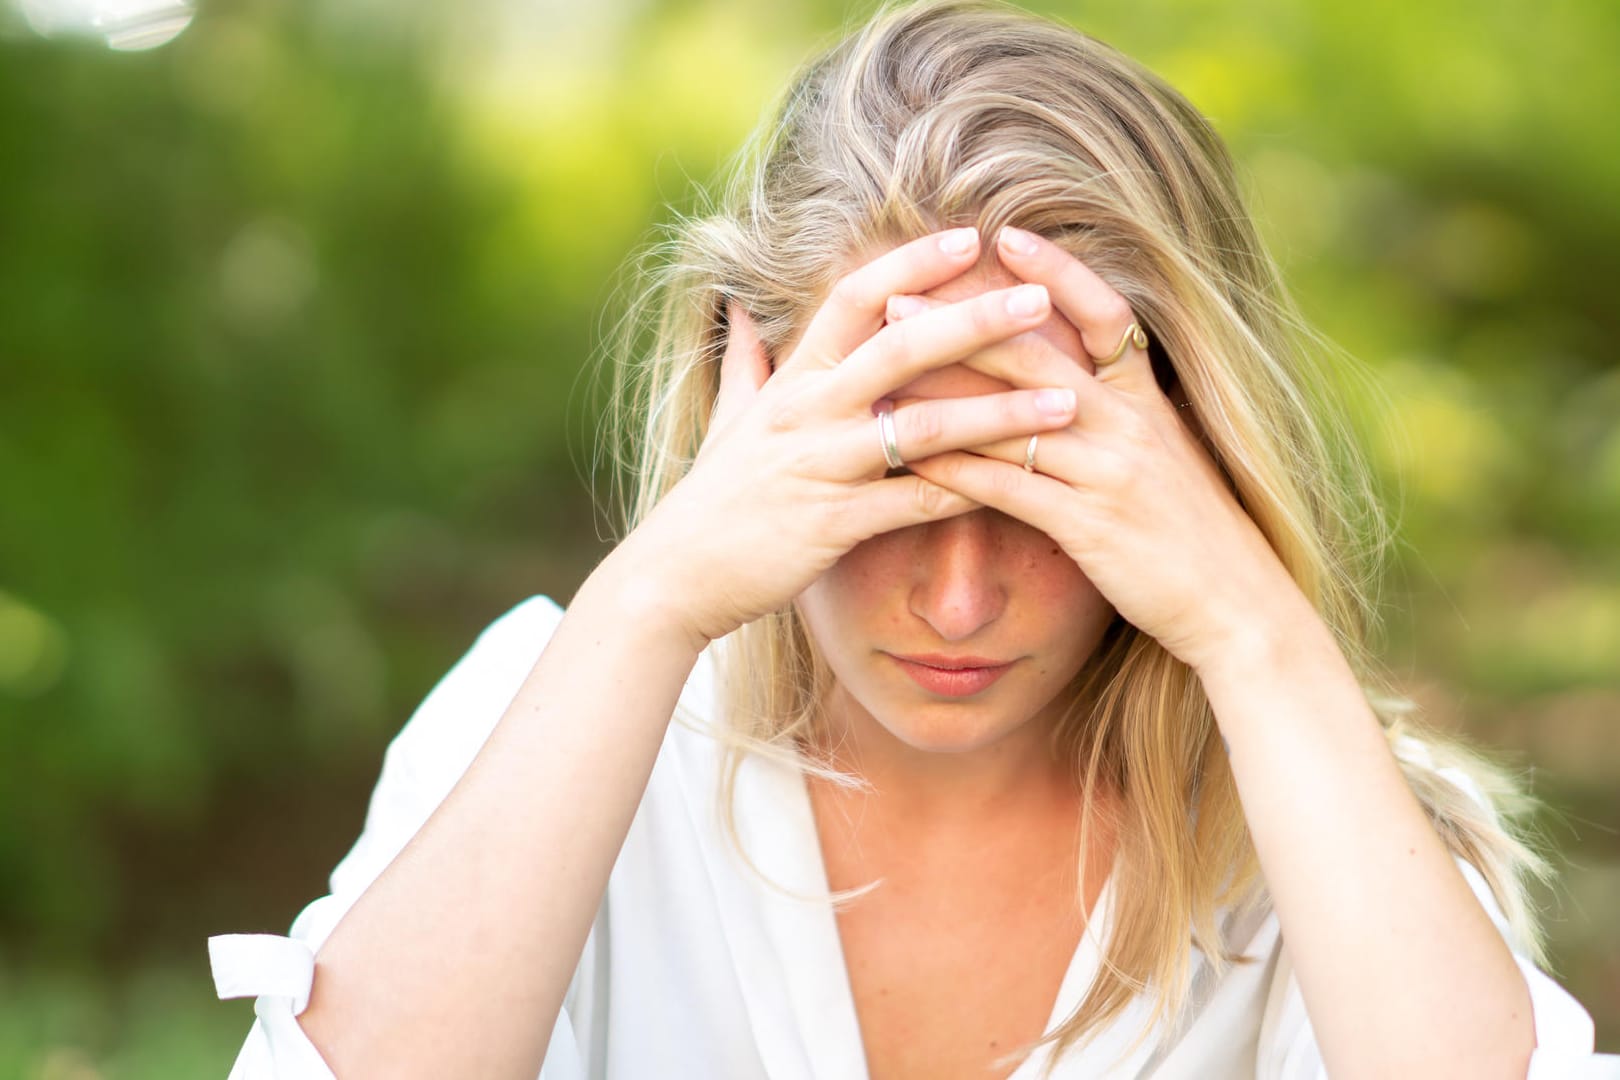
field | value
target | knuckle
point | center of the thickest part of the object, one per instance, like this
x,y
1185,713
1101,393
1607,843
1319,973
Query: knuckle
x,y
850,291
783,415
1012,410
1005,481
952,467
1115,310
801,460
985,316
1023,358
839,516
895,340
1110,470
924,426
929,499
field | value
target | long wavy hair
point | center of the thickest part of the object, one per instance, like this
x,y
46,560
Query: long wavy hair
x,y
963,112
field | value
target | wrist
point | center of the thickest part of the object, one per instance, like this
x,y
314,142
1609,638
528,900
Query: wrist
x,y
1267,639
1289,667
638,584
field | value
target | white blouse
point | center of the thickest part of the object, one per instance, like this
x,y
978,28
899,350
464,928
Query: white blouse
x,y
697,967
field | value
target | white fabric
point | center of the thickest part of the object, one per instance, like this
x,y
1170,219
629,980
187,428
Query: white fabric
x,y
252,965
696,967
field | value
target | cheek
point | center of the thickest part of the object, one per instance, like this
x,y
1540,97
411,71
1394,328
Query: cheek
x,y
1057,577
1080,615
861,585
869,563
1038,562
1051,595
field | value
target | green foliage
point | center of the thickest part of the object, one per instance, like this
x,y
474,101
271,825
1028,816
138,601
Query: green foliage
x,y
158,1023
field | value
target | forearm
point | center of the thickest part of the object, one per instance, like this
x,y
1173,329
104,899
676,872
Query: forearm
x,y
1402,972
456,960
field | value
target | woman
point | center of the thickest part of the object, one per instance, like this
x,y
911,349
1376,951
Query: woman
x,y
996,551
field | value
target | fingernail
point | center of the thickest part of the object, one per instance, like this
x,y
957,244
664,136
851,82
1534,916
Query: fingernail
x,y
1027,300
904,307
1018,241
1054,402
959,241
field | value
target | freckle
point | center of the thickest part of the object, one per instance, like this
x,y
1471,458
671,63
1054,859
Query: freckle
x,y
1056,551
1411,851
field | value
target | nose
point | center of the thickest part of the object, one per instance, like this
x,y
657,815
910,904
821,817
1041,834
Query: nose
x,y
957,589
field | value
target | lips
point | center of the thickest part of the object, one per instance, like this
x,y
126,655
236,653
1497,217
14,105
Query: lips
x,y
952,676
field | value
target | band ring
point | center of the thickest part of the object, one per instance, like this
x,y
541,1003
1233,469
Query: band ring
x,y
889,437
1029,453
1133,336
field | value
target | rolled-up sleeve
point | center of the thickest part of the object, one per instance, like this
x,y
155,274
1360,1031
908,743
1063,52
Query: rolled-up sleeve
x,y
421,765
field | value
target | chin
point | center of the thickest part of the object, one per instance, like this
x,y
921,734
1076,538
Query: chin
x,y
947,729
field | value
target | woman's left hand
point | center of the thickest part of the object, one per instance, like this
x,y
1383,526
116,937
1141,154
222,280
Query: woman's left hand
x,y
1128,490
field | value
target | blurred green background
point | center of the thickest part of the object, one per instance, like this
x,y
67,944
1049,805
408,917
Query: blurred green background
x,y
294,312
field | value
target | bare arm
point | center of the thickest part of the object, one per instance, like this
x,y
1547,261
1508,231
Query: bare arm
x,y
1402,971
534,826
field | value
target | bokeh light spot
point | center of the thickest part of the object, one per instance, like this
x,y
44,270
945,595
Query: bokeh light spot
x,y
125,25
33,649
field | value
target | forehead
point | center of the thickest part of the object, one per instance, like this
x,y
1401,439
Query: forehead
x,y
981,278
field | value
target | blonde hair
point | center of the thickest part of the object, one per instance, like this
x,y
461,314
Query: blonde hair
x,y
961,112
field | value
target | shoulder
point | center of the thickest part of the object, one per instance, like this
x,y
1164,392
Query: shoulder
x,y
438,743
448,728
457,716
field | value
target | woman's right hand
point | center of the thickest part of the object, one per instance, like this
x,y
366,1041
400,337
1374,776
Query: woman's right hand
x,y
792,474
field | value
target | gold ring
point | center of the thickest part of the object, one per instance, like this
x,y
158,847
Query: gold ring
x,y
1133,336
1029,453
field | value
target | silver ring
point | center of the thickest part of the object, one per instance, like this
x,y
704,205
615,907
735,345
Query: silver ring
x,y
890,440
1029,453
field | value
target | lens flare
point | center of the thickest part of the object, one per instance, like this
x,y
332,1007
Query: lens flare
x,y
126,25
